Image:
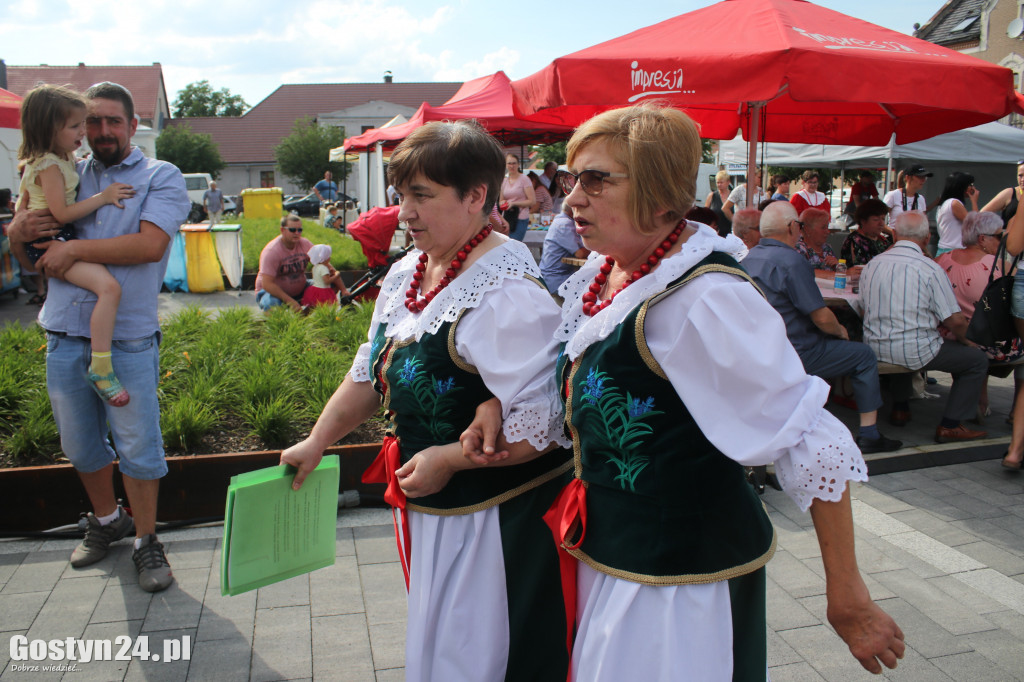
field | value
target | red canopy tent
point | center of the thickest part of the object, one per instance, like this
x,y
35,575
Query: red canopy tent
x,y
10,109
779,71
487,99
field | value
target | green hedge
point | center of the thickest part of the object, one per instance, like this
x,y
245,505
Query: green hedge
x,y
346,254
273,373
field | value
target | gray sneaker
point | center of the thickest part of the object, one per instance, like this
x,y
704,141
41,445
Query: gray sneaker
x,y
151,563
98,538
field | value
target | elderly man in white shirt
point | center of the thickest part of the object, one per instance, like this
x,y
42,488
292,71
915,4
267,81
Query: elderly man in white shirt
x,y
905,296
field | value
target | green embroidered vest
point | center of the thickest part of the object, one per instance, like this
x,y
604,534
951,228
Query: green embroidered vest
x,y
431,394
664,506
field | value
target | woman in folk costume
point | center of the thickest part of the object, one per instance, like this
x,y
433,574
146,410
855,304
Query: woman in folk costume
x,y
462,319
676,373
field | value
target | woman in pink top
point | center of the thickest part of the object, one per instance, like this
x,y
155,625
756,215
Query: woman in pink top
x,y
517,191
809,196
968,270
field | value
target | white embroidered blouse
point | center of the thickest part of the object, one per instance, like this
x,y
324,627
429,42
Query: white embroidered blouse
x,y
725,350
507,333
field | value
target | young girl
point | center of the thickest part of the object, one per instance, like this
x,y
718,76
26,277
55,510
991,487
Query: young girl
x,y
326,280
52,128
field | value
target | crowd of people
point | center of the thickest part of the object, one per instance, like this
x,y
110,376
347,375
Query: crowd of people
x,y
566,446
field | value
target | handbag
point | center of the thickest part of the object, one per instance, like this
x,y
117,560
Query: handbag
x,y
511,216
992,322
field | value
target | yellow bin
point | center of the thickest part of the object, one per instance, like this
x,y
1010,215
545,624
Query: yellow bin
x,y
262,203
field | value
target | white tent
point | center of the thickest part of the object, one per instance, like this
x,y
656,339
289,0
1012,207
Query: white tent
x,y
989,152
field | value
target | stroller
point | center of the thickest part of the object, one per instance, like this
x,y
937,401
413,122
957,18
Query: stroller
x,y
374,231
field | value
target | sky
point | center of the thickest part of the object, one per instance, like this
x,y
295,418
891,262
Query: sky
x,y
251,47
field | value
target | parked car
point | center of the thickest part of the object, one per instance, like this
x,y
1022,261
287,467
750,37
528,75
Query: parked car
x,y
309,205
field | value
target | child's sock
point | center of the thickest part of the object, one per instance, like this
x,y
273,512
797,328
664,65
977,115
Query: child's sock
x,y
101,364
102,377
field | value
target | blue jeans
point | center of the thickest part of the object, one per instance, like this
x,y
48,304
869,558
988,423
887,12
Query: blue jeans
x,y
265,301
83,418
1017,295
518,230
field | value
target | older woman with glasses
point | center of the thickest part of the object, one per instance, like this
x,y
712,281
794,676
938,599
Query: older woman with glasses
x,y
968,269
814,243
664,542
460,320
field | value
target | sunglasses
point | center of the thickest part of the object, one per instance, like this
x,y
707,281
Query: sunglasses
x,y
293,230
592,181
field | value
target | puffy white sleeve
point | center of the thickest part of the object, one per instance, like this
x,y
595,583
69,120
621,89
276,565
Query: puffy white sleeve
x,y
725,350
360,370
509,338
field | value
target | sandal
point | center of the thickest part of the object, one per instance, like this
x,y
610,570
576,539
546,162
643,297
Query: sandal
x,y
38,299
114,394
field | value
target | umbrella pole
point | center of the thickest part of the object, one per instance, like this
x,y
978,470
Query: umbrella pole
x,y
755,131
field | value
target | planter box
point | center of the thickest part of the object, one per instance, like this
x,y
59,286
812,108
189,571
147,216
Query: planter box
x,y
38,498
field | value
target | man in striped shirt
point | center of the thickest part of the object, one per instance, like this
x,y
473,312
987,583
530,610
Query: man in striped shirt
x,y
905,296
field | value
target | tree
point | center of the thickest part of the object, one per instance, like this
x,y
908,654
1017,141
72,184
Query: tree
x,y
706,155
200,99
551,152
556,152
303,155
190,152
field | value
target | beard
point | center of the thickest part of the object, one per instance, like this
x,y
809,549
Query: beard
x,y
110,155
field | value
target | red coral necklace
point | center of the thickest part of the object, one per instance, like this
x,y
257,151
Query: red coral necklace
x,y
412,300
591,306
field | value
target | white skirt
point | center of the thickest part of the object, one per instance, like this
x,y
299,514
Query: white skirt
x,y
458,606
629,631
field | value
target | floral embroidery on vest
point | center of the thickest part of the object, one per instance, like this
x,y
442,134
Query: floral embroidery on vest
x,y
434,394
622,419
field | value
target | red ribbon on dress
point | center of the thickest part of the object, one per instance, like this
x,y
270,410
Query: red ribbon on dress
x,y
568,514
382,470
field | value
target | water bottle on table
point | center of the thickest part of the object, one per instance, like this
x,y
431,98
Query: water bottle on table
x,y
839,284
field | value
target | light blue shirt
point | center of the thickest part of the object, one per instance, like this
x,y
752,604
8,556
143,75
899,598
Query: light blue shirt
x,y
160,198
905,296
560,241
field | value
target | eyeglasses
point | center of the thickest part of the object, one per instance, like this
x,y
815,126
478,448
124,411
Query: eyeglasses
x,y
293,230
591,180
798,222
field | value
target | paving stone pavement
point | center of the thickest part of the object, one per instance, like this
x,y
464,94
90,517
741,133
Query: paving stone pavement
x,y
942,550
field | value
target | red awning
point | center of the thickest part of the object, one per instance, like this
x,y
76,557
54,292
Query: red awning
x,y
488,100
821,76
10,109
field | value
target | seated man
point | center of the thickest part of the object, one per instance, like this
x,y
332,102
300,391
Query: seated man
x,y
905,296
745,226
823,345
282,275
560,241
331,221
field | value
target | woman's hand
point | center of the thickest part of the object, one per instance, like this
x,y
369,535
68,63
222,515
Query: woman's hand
x,y
872,635
480,437
429,470
830,261
116,192
305,457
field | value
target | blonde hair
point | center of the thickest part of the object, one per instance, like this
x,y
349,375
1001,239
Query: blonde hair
x,y
721,175
44,111
660,149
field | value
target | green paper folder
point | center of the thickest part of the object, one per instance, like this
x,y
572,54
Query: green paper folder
x,y
272,532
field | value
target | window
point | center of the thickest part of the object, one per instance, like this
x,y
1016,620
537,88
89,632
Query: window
x,y
266,178
965,24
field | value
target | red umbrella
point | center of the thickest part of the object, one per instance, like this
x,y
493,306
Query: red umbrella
x,y
487,99
10,109
778,70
